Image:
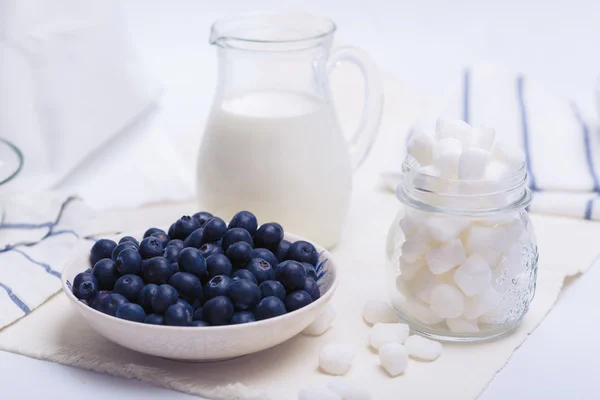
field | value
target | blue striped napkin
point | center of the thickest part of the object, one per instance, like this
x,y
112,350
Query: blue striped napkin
x,y
37,234
562,149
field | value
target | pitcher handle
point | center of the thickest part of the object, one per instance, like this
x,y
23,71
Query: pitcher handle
x,y
361,141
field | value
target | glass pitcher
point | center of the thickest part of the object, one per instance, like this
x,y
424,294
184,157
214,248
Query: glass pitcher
x,y
273,143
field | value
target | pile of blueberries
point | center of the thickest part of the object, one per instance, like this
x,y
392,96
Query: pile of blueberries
x,y
201,272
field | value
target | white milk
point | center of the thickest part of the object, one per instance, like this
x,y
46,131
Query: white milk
x,y
281,156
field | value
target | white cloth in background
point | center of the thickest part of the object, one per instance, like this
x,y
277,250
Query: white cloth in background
x,y
37,237
562,149
69,83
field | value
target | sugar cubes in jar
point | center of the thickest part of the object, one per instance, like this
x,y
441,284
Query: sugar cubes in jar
x,y
462,252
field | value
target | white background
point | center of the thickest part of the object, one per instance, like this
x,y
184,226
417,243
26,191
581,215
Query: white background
x,y
426,43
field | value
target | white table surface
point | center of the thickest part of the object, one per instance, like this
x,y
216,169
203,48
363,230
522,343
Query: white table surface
x,y
425,42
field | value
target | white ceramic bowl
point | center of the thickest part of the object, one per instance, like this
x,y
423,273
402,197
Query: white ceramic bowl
x,y
210,343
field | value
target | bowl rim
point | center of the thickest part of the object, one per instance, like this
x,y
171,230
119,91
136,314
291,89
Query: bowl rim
x,y
166,328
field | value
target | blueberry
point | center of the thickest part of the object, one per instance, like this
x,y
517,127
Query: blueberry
x,y
244,294
244,274
97,300
202,217
150,247
165,296
131,312
214,229
269,235
218,264
208,249
111,302
272,288
296,300
311,271
261,269
184,226
269,307
195,239
177,315
171,231
291,274
171,253
217,286
187,306
157,270
282,250
164,239
198,314
155,319
129,286
105,272
266,255
197,304
242,317
145,296
218,310
187,285
103,248
303,251
174,267
239,254
236,235
129,261
85,286
245,220
198,323
311,287
176,242
191,260
152,231
121,247
129,239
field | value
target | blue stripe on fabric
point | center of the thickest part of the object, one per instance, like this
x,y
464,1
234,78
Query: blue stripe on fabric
x,y
525,133
47,267
63,232
27,226
589,207
466,92
15,299
588,150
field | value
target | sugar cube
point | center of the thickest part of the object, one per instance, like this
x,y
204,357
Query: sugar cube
x,y
421,311
394,358
462,325
420,145
348,389
496,170
423,349
478,305
323,321
375,311
488,242
387,333
422,283
314,392
472,164
446,301
455,129
483,138
446,154
473,275
414,248
408,269
335,359
443,258
443,228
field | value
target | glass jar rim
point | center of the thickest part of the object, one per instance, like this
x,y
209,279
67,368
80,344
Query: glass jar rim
x,y
474,197
271,31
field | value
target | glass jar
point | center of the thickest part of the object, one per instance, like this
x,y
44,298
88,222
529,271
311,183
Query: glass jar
x,y
462,255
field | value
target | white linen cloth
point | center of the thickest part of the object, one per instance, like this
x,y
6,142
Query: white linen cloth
x,y
69,83
562,149
463,371
37,236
